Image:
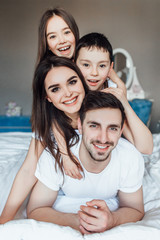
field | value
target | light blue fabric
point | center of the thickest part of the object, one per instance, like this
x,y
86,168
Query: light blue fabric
x,y
142,108
15,124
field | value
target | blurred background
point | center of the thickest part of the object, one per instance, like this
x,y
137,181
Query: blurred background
x,y
133,25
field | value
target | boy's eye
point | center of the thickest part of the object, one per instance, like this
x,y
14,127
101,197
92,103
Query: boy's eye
x,y
55,89
85,64
102,65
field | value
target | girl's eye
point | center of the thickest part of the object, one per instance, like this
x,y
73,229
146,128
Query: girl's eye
x,y
55,89
52,36
67,32
72,82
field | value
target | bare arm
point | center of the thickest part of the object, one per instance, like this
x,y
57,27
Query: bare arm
x,y
23,183
96,216
70,167
40,208
134,130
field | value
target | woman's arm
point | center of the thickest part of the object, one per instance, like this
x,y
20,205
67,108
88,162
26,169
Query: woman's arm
x,y
23,183
70,167
135,130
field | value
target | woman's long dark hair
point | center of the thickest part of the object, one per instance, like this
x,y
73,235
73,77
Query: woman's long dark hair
x,y
43,50
45,114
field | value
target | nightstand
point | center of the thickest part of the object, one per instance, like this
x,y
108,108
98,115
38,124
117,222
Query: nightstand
x,y
15,124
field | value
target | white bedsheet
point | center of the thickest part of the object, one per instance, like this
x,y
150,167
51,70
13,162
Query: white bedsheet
x,y
13,149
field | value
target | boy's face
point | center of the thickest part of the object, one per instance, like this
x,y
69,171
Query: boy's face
x,y
94,64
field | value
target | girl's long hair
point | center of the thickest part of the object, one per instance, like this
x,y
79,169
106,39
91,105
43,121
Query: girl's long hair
x,y
45,114
43,50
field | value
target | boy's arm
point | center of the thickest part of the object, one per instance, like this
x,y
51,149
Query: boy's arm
x,y
23,183
40,208
96,216
135,130
70,167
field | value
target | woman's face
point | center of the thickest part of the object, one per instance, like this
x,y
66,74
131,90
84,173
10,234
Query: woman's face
x,y
60,38
64,89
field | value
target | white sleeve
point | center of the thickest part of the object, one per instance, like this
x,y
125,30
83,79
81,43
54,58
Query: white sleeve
x,y
132,173
46,172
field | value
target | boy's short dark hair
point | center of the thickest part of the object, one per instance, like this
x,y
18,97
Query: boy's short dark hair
x,y
97,100
92,40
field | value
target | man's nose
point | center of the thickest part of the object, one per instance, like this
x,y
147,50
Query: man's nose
x,y
103,136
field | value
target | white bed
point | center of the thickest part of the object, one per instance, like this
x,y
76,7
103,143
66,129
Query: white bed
x,y
13,148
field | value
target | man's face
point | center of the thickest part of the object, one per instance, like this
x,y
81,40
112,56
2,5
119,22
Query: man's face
x,y
101,130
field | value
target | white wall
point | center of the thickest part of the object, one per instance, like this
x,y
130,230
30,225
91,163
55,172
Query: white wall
x,y
133,25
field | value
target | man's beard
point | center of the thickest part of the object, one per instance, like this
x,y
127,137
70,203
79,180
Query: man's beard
x,y
100,153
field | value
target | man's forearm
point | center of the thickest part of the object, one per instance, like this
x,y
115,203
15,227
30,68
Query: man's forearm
x,y
47,214
125,215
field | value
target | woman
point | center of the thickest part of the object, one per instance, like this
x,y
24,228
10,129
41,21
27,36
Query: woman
x,y
59,41
56,44
57,103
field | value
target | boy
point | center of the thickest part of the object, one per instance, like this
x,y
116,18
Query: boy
x,y
94,57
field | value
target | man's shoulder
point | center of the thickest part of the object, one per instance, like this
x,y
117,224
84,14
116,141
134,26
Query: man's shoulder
x,y
125,149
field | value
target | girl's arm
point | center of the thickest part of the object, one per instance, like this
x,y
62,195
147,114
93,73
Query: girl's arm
x,y
70,167
135,130
23,183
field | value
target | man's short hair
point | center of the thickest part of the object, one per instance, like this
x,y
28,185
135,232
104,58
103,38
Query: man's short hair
x,y
97,100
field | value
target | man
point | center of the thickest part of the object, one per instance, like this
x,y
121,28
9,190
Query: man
x,y
112,167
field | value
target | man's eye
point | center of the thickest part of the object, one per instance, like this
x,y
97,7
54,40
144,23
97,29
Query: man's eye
x,y
93,126
55,89
113,129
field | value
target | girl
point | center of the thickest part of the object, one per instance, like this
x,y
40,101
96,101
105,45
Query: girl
x,y
54,42
58,35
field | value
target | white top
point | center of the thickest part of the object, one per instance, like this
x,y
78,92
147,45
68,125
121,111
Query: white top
x,y
124,172
111,83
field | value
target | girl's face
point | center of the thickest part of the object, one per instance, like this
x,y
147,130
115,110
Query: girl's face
x,y
60,38
64,89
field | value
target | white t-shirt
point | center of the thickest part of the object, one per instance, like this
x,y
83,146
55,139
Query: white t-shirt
x,y
124,172
111,83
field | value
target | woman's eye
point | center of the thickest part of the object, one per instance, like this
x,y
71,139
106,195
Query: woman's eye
x,y
55,89
73,82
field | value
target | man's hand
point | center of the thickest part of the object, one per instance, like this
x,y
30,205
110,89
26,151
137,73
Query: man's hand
x,y
95,217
